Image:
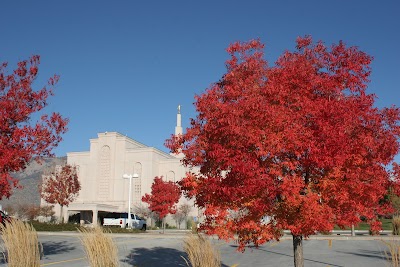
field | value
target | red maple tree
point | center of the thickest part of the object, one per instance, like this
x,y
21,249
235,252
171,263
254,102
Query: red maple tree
x,y
23,139
300,142
163,198
61,186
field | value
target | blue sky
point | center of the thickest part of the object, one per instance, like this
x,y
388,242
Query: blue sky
x,y
126,65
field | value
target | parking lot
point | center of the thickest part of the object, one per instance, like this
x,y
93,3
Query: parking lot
x,y
155,249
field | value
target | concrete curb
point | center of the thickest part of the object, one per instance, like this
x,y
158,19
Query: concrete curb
x,y
336,235
151,233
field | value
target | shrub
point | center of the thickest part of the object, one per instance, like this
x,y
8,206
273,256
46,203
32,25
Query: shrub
x,y
21,242
100,248
192,225
53,227
57,227
200,252
167,226
46,211
11,210
375,227
324,233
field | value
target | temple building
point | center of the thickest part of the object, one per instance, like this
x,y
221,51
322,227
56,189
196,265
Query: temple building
x,y
101,170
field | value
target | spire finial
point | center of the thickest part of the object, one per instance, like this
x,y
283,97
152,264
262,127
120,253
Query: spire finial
x,y
179,109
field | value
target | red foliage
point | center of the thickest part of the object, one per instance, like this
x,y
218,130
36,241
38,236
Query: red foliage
x,y
300,142
395,178
163,198
22,139
61,187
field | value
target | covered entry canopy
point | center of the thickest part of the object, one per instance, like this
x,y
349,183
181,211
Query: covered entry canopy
x,y
89,211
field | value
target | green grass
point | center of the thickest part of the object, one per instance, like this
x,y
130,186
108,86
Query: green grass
x,y
386,225
53,227
122,230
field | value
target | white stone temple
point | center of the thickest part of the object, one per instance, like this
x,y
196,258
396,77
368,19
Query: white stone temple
x,y
101,170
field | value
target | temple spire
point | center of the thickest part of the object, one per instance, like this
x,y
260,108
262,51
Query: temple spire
x,y
178,127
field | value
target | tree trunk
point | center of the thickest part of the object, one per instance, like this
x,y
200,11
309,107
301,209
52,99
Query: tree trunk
x,y
61,214
353,232
298,251
163,226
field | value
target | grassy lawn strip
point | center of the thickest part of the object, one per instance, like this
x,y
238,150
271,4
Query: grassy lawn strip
x,y
53,227
386,225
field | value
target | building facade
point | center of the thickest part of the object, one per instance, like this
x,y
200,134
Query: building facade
x,y
101,170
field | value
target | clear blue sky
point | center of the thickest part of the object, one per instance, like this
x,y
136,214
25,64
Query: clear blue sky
x,y
126,65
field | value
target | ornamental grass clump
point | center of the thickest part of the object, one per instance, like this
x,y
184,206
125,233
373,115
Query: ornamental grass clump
x,y
200,252
21,244
396,225
100,248
393,253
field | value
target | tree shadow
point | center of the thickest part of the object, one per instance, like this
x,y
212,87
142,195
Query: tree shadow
x,y
47,248
291,256
52,248
3,257
157,256
367,253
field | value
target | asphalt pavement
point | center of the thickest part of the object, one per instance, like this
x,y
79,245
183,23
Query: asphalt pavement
x,y
153,248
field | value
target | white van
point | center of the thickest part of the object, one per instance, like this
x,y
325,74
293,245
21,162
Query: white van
x,y
121,219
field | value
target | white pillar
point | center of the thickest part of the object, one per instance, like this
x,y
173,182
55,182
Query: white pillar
x,y
95,217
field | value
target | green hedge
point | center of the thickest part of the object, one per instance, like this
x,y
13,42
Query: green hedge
x,y
58,227
54,227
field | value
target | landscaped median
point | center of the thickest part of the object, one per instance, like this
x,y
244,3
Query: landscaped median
x,y
361,229
62,227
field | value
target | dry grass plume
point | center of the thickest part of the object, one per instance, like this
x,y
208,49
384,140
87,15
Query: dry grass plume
x,y
396,225
392,253
100,248
200,252
21,244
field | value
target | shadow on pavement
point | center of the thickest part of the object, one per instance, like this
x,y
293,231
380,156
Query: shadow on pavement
x,y
157,256
51,248
291,256
367,253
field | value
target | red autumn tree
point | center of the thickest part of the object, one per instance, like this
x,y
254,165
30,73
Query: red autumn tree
x,y
300,142
163,198
23,138
61,186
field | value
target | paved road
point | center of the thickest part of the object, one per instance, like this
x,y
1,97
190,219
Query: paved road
x,y
154,249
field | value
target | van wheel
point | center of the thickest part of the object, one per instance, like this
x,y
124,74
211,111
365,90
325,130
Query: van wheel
x,y
143,227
